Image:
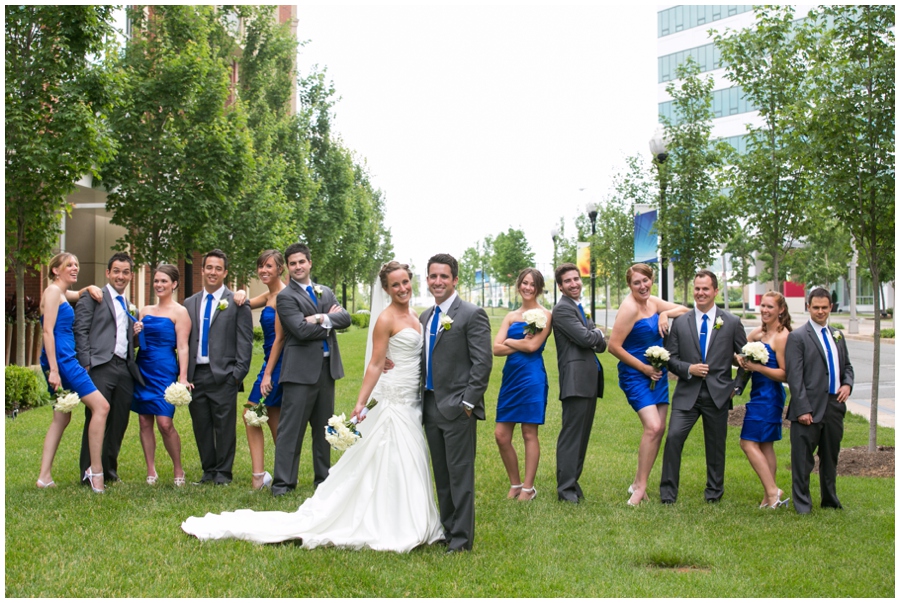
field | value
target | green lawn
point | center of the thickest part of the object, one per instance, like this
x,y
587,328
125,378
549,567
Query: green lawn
x,y
68,542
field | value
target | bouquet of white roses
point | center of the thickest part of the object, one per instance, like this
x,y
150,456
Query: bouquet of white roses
x,y
66,401
178,394
535,321
658,357
755,351
256,414
341,433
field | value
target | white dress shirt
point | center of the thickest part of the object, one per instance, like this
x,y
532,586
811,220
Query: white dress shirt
x,y
217,296
121,324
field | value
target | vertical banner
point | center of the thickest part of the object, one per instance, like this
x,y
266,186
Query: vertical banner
x,y
584,259
646,241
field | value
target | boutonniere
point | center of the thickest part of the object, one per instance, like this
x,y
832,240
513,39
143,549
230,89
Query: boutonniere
x,y
222,305
719,323
837,335
132,309
446,322
317,289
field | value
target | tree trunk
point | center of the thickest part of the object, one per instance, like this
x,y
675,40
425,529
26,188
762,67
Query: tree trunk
x,y
29,340
20,314
37,344
10,330
775,278
876,357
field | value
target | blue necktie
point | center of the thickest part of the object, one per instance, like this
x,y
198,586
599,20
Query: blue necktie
x,y
121,301
703,333
312,296
832,386
204,340
429,384
583,316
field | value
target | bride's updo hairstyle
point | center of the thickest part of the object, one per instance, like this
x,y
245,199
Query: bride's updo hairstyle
x,y
386,269
640,268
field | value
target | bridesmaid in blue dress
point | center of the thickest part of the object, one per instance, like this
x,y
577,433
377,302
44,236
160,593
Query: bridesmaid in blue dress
x,y
166,328
523,389
765,409
641,322
59,363
267,389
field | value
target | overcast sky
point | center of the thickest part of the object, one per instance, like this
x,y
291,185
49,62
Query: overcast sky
x,y
475,119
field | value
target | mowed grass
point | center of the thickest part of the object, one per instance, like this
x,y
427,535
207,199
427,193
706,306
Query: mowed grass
x,y
68,542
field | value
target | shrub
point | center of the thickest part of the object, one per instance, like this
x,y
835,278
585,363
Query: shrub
x,y
25,388
887,333
360,320
890,311
258,335
837,325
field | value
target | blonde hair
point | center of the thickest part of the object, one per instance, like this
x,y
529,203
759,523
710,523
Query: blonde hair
x,y
784,316
57,262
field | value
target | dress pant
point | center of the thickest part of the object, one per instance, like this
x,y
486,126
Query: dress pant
x,y
805,439
114,381
213,411
452,446
302,405
715,432
571,446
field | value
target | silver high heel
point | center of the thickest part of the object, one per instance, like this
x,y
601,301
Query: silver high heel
x,y
266,477
89,476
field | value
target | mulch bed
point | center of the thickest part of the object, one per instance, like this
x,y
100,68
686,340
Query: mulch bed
x,y
856,461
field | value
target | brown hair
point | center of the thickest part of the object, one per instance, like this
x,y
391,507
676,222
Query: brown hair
x,y
58,261
171,271
447,259
784,316
389,267
535,275
818,292
562,269
275,255
215,253
711,275
640,268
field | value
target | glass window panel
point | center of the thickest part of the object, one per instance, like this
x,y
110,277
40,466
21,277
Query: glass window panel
x,y
679,18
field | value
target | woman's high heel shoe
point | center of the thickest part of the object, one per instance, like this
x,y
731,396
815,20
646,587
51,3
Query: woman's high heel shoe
x,y
89,476
152,479
41,485
266,479
179,481
517,488
528,494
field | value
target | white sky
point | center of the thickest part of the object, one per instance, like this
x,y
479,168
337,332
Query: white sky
x,y
476,118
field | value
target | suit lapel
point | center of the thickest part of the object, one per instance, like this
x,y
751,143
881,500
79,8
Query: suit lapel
x,y
108,302
226,296
817,343
450,313
304,296
695,335
712,330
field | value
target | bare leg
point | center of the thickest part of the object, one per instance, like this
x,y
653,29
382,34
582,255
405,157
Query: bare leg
x,y
653,419
503,434
172,442
532,453
51,443
99,410
768,449
760,464
255,440
274,415
148,443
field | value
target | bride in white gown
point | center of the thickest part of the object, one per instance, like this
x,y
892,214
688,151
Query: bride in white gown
x,y
379,494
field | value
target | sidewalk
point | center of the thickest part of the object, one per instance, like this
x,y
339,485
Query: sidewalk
x,y
866,325
863,408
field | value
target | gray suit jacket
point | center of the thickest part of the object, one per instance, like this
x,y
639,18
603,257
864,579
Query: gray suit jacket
x,y
807,371
230,338
684,350
301,358
95,333
462,359
576,344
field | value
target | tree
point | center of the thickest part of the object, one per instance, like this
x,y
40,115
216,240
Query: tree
x,y
57,102
771,182
696,218
511,253
740,247
183,155
469,264
824,256
850,121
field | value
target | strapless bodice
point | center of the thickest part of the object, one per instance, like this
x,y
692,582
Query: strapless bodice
x,y
400,385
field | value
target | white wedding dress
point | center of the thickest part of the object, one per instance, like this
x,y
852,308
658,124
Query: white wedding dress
x,y
378,495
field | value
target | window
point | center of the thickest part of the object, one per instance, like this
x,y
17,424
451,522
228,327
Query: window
x,y
679,18
729,101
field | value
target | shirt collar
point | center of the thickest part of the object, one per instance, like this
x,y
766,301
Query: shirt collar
x,y
113,292
445,306
217,294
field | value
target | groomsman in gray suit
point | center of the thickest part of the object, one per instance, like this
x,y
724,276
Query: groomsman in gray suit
x,y
457,362
702,345
104,344
221,344
580,381
820,377
311,363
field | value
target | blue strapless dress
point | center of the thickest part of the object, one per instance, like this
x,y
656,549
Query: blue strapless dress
x,y
524,387
72,375
765,409
636,385
267,322
159,367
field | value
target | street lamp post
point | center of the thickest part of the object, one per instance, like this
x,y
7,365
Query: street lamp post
x,y
592,214
660,153
554,233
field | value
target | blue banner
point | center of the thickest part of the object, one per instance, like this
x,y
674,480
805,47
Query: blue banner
x,y
646,242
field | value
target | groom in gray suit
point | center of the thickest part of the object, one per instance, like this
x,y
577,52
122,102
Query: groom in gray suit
x,y
311,363
221,344
702,345
457,364
820,377
104,345
580,381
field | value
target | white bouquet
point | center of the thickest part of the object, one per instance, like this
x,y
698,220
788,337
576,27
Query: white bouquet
x,y
178,394
341,433
658,357
535,321
66,401
256,414
756,351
